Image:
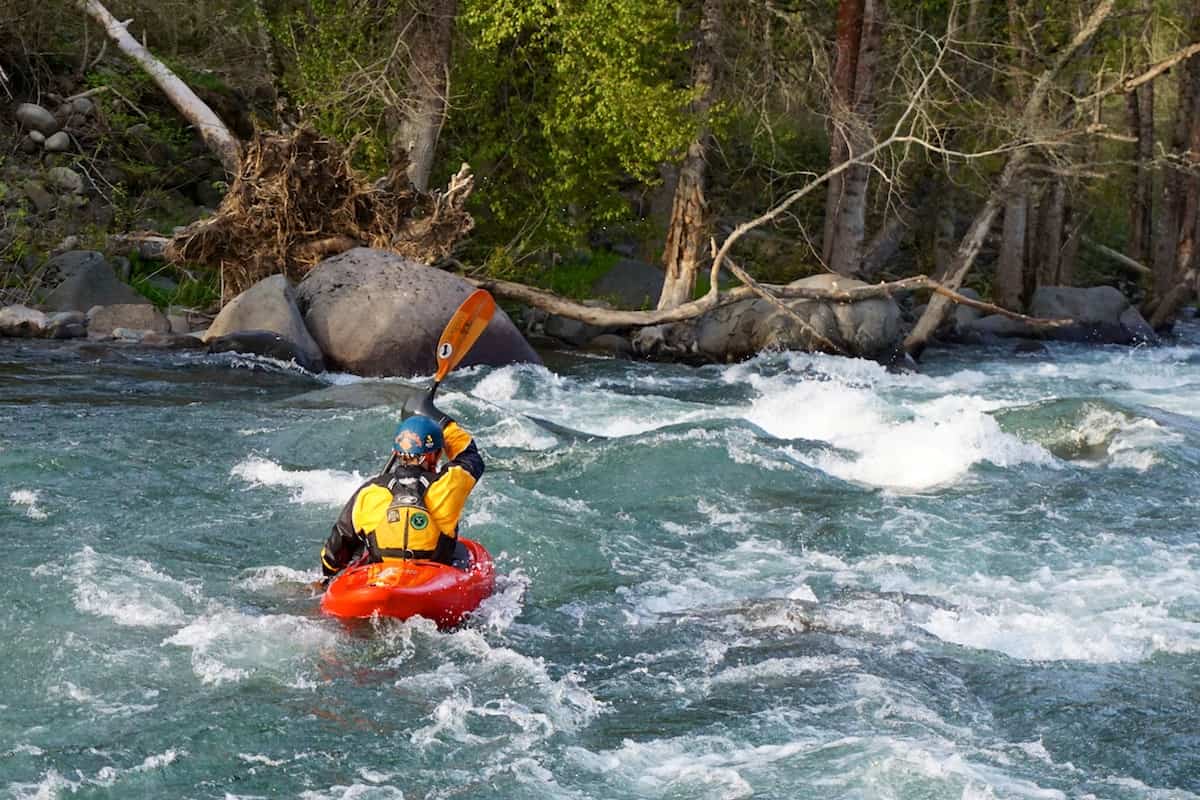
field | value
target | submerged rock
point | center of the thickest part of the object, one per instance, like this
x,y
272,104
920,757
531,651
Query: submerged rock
x,y
260,343
376,313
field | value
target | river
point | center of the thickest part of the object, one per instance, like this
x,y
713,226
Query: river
x,y
796,577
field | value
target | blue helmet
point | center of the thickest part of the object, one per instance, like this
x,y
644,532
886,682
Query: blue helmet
x,y
417,436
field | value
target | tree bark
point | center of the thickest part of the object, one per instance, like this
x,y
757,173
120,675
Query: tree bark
x,y
841,100
846,254
1140,103
429,41
686,234
212,130
1050,233
1009,284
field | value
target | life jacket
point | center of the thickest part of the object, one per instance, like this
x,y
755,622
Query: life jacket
x,y
397,524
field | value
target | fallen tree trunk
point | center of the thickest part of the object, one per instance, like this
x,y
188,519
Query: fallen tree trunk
x,y
618,318
212,130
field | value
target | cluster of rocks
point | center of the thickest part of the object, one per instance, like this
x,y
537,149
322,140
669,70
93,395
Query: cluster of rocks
x,y
375,313
89,299
1101,314
368,312
365,311
51,131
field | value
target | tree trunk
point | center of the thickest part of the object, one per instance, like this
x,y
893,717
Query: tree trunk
x,y
845,70
1175,258
686,234
429,39
944,234
212,130
847,251
1073,222
1050,232
1141,209
1009,283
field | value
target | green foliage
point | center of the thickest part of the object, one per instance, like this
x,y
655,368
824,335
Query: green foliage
x,y
338,54
568,104
576,277
134,99
197,288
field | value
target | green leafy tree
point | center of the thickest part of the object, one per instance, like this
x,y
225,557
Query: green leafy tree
x,y
559,106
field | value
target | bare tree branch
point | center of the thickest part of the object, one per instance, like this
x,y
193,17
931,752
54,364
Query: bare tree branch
x,y
212,130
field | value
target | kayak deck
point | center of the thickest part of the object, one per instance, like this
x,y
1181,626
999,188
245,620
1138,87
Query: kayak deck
x,y
403,589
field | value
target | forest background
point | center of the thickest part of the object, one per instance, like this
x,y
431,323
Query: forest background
x,y
1001,145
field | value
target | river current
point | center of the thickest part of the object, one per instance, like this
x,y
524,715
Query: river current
x,y
796,577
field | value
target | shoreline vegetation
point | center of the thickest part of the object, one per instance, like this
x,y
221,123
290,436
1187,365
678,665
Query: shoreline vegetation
x,y
692,181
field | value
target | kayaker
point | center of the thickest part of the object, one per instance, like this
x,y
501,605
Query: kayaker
x,y
411,509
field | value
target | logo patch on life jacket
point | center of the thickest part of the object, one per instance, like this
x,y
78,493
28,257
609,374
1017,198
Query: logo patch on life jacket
x,y
419,521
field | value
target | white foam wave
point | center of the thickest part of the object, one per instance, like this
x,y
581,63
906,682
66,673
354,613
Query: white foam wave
x,y
54,785
918,447
316,486
776,669
28,499
500,610
260,578
1126,443
700,766
129,591
585,406
1092,613
94,702
355,791
531,707
228,646
518,433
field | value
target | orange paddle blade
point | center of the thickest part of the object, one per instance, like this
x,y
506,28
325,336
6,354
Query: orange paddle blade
x,y
467,325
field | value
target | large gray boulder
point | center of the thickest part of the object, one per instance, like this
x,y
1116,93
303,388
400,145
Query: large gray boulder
x,y
1102,315
868,328
88,280
631,283
376,313
269,306
103,321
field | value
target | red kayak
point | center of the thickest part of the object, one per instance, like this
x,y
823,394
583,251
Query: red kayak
x,y
440,592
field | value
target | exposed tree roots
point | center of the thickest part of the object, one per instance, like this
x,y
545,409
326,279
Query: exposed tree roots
x,y
295,200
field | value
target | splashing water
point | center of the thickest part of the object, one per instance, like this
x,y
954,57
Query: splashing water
x,y
791,577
